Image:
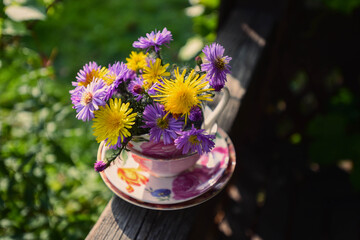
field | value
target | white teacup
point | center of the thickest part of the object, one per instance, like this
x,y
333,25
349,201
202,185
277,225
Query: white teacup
x,y
166,160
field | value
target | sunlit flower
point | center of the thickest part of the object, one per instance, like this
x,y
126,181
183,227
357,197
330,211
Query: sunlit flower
x,y
154,39
154,72
136,61
118,73
113,121
136,88
179,95
161,125
89,99
90,72
194,140
216,65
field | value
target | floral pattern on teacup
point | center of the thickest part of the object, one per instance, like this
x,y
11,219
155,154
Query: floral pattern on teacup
x,y
132,177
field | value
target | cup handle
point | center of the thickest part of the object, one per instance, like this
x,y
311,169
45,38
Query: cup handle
x,y
210,120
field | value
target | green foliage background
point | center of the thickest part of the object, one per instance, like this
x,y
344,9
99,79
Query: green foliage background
x,y
48,188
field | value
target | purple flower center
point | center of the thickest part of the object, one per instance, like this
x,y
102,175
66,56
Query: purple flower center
x,y
193,139
87,98
162,123
220,64
138,89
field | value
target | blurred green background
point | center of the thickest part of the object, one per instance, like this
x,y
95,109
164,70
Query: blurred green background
x,y
48,188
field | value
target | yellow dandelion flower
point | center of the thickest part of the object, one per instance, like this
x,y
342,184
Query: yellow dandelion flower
x,y
153,73
89,76
113,121
180,95
136,61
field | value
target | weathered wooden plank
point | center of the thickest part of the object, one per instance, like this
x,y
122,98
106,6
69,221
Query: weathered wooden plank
x,y
122,220
244,37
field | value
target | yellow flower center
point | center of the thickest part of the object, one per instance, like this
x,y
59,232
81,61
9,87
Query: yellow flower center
x,y
109,79
116,122
185,96
94,74
179,95
87,98
113,121
193,139
162,123
220,64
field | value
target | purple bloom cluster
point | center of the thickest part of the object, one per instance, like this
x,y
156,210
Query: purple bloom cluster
x,y
161,126
136,88
194,140
88,99
95,86
99,166
216,65
85,72
121,73
154,39
195,114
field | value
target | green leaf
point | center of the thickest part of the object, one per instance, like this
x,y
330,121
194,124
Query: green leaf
x,y
14,28
24,13
1,26
124,156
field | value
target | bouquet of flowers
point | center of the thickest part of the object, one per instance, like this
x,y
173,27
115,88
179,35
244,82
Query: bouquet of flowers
x,y
146,96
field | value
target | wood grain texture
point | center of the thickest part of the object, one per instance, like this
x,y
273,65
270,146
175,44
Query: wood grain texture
x,y
244,37
122,220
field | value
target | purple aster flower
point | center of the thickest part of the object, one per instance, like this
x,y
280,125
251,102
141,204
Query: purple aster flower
x,y
129,74
85,75
120,73
136,88
217,65
154,118
195,114
99,166
75,96
194,140
154,39
91,97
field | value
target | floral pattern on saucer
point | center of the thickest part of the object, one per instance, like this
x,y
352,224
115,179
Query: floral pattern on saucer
x,y
140,185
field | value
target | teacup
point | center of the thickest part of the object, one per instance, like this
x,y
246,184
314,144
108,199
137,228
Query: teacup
x,y
166,160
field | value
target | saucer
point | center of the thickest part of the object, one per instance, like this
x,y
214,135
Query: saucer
x,y
192,187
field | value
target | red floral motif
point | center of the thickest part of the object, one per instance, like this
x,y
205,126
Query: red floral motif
x,y
132,177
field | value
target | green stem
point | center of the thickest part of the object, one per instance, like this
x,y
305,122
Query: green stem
x,y
123,146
